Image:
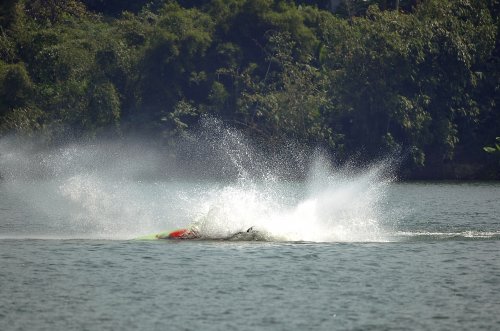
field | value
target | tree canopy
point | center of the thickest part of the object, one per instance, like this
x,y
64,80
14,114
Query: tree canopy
x,y
362,78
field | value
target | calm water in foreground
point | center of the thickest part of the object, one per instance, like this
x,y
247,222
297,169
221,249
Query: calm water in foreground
x,y
436,268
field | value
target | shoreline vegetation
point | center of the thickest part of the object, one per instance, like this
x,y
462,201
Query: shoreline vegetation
x,y
358,78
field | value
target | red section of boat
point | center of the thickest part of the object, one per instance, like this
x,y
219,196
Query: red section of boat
x,y
183,234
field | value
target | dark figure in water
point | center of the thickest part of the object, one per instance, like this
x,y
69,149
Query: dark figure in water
x,y
250,234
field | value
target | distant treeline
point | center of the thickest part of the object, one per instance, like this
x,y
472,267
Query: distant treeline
x,y
361,78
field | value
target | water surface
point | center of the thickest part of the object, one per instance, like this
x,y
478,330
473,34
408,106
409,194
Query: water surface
x,y
435,267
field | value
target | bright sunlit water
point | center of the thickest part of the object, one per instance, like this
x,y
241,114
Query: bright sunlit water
x,y
346,248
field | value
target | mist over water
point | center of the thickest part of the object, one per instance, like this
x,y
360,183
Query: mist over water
x,y
218,183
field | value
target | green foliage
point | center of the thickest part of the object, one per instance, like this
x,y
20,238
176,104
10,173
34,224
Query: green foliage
x,y
104,105
172,66
15,86
495,149
7,13
25,120
410,76
53,11
288,101
372,77
175,122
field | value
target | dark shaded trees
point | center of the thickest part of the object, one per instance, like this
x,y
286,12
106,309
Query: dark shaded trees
x,y
368,79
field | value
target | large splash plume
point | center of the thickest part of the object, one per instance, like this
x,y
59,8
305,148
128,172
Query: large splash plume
x,y
218,182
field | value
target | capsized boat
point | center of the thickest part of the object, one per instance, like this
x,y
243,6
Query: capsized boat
x,y
180,234
187,233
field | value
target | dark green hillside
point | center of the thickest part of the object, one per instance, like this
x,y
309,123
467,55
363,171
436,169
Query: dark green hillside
x,y
362,78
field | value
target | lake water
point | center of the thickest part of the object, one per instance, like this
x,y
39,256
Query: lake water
x,y
344,248
421,256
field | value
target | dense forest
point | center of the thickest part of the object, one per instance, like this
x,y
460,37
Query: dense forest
x,y
361,78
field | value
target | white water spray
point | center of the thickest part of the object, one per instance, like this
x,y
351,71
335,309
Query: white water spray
x,y
342,208
121,191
